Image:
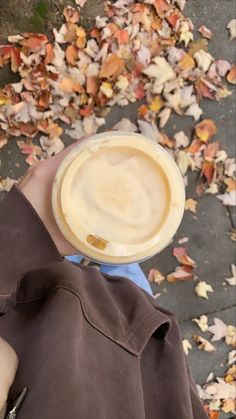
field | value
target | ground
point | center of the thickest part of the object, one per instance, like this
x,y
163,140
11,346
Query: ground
x,y
208,231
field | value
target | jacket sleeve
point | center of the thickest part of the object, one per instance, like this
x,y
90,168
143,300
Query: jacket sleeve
x,y
25,244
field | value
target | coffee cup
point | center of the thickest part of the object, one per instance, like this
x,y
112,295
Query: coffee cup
x,y
118,197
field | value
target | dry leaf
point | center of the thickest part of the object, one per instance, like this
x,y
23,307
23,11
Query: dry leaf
x,y
164,116
71,15
204,59
202,288
111,67
186,346
161,71
232,29
228,199
125,125
205,130
205,32
155,276
204,344
181,255
229,406
182,273
202,322
181,140
191,205
230,338
218,330
183,161
232,281
231,357
231,76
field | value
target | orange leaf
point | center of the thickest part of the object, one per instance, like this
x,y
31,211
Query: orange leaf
x,y
111,67
44,100
81,37
92,85
161,7
86,111
122,36
208,170
70,85
182,273
71,15
205,129
231,184
113,28
181,255
139,91
173,19
71,54
194,146
231,76
15,59
49,53
34,41
142,110
166,141
211,151
187,63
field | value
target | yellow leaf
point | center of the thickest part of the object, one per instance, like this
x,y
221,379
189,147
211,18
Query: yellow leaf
x,y
156,104
187,63
191,205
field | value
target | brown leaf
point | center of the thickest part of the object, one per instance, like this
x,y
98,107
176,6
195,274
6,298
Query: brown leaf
x,y
205,130
208,170
155,276
34,41
231,76
161,7
71,15
181,255
71,54
111,67
182,273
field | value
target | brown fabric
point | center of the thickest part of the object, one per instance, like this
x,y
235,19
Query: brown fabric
x,y
90,346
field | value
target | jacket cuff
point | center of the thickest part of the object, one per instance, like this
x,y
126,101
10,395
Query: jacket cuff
x,y
25,243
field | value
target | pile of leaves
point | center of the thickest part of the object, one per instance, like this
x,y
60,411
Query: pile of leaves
x,y
139,51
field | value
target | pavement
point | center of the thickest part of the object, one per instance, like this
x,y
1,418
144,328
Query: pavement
x,y
208,231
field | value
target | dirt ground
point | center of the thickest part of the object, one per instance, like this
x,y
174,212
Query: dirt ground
x,y
40,15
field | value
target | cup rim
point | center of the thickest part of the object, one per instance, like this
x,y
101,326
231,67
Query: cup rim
x,y
103,139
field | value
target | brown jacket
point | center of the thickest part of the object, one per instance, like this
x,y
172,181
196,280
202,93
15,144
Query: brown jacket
x,y
90,346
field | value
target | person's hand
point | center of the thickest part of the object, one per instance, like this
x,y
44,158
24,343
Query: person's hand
x,y
8,367
36,185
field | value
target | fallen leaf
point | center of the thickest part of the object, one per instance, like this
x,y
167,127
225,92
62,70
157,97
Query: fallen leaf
x,y
186,346
218,330
202,322
231,184
6,183
232,281
231,76
203,344
229,406
202,288
228,199
231,357
205,32
155,276
34,41
71,15
205,130
71,54
230,338
125,125
122,36
191,205
149,130
81,3
195,111
204,59
111,67
183,161
181,255
161,71
181,140
164,116
232,29
182,273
